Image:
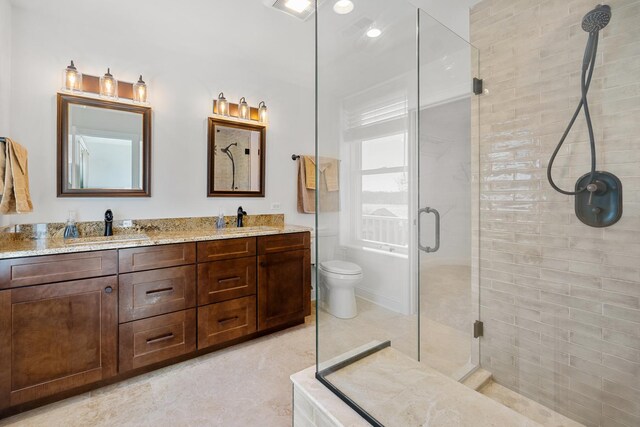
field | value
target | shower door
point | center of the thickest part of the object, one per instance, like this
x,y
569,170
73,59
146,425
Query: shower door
x,y
393,114
447,165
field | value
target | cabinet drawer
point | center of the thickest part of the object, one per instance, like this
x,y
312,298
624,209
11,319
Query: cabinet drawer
x,y
283,242
149,293
216,250
150,257
153,340
225,321
56,268
224,280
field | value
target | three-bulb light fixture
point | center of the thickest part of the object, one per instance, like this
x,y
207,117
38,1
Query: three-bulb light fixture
x,y
222,108
72,81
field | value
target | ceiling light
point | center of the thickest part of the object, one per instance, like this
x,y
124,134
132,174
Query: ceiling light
x,y
373,33
298,6
342,7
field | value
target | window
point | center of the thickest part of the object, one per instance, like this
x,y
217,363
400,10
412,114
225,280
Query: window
x,y
382,184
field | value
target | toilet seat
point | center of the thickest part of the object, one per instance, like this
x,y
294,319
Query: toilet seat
x,y
341,267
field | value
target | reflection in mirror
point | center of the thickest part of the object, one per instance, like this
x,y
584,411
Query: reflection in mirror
x,y
105,147
236,159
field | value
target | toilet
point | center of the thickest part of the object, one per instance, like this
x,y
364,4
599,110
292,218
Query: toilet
x,y
338,280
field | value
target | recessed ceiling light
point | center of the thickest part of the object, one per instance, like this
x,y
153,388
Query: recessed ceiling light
x,y
298,6
342,7
374,32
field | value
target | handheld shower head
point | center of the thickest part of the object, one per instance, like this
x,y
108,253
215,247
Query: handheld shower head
x,y
225,150
596,19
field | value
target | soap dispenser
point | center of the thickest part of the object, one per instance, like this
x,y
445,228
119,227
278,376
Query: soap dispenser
x,y
220,224
71,230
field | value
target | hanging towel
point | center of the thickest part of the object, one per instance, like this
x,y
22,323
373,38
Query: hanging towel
x,y
328,168
330,173
329,200
306,197
15,183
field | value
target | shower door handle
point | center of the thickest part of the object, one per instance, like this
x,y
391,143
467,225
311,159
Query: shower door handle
x,y
429,249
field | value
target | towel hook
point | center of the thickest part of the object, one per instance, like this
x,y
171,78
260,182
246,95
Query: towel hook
x,y
295,157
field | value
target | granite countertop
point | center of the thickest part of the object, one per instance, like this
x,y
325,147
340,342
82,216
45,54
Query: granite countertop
x,y
57,245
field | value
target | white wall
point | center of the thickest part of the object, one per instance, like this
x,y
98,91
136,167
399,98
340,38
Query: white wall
x,y
187,54
5,65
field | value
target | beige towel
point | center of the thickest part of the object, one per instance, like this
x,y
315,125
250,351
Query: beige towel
x,y
15,187
328,172
329,201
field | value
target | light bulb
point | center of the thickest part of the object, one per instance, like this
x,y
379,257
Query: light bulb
x,y
223,105
72,79
140,91
108,85
243,109
262,113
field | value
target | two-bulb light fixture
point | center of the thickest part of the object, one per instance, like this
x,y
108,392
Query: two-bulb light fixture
x,y
106,85
242,111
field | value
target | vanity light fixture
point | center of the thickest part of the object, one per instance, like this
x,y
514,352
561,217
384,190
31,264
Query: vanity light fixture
x,y
140,91
373,33
243,109
72,79
262,113
108,85
223,105
342,7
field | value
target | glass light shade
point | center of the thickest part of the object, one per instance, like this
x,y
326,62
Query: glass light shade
x,y
262,113
140,91
223,105
243,109
71,79
108,85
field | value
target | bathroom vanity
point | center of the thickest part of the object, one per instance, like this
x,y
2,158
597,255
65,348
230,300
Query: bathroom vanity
x,y
74,318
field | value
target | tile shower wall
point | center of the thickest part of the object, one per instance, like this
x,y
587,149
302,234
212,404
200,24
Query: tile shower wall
x,y
560,300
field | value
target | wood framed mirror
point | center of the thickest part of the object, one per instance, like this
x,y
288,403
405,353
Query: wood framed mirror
x,y
104,148
236,159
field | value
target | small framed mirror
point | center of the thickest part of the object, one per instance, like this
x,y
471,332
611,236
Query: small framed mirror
x,y
104,148
236,159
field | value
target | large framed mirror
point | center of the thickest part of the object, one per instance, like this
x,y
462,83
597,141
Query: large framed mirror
x,y
104,148
236,159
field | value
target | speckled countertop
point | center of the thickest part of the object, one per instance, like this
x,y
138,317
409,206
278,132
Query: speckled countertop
x,y
56,245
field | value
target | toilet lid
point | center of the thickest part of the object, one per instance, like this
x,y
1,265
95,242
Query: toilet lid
x,y
340,267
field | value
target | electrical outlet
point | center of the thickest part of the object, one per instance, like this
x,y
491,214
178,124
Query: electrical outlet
x,y
127,223
275,206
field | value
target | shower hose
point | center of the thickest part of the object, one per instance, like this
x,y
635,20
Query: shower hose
x,y
588,64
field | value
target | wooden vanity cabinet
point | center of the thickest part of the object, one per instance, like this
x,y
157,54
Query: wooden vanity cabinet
x,y
284,279
57,337
82,319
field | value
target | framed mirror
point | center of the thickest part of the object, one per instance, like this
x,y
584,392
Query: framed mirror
x,y
236,159
104,148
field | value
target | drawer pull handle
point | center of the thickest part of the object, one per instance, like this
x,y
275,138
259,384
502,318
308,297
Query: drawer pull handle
x,y
108,290
227,320
230,279
157,291
162,337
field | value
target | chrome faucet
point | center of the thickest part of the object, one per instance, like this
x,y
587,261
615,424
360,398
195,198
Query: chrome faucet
x,y
241,213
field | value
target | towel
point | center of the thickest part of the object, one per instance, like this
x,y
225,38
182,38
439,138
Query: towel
x,y
328,172
15,183
329,200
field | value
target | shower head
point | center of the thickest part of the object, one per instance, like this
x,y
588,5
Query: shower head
x,y
596,19
226,149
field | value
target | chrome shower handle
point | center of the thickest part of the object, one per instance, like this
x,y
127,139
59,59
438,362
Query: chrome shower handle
x,y
429,249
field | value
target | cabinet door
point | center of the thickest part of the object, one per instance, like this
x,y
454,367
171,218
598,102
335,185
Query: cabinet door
x,y
284,287
56,337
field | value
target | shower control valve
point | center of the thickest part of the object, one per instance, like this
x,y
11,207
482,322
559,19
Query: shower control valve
x,y
596,187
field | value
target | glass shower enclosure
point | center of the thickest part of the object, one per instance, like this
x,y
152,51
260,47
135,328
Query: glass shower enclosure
x,y
396,114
